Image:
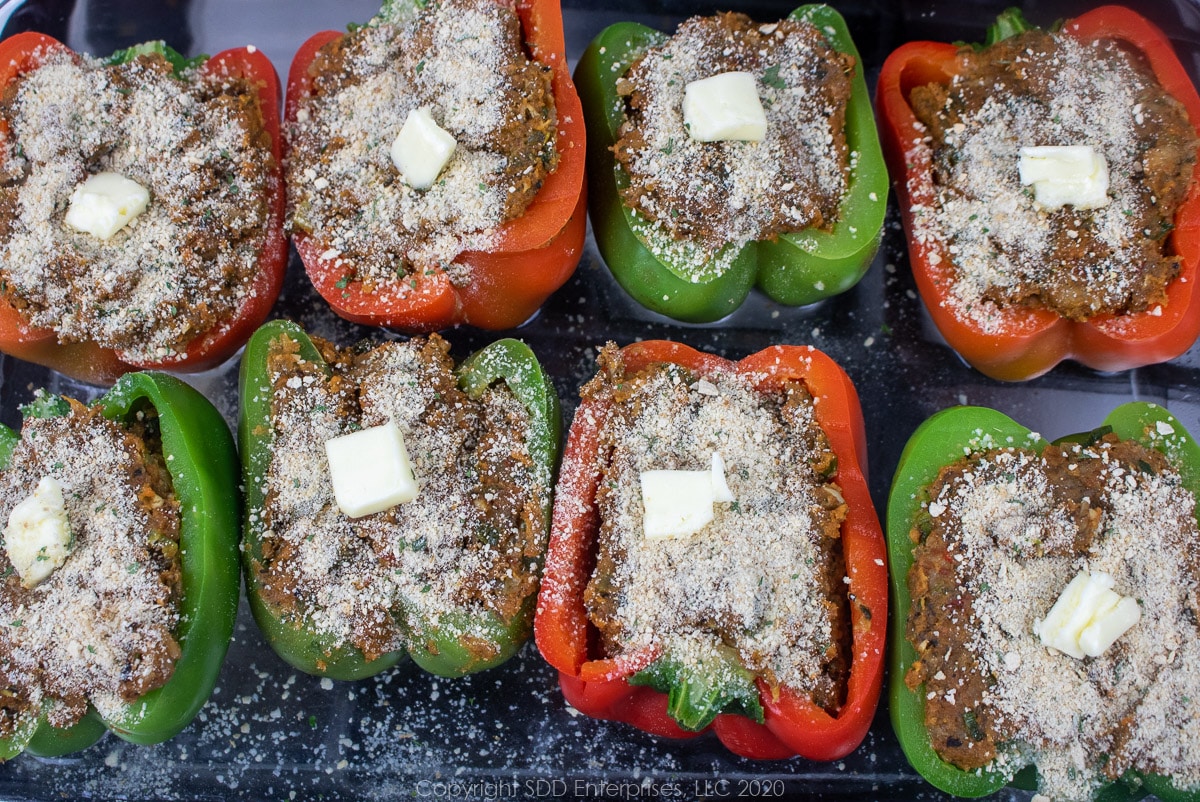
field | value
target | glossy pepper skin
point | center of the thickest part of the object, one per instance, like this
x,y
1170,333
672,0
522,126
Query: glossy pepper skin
x,y
509,361
794,269
601,686
1030,342
90,362
534,254
201,459
943,440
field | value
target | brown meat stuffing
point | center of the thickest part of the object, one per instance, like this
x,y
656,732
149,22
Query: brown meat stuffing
x,y
483,556
612,593
709,192
182,268
1082,269
99,629
965,727
498,105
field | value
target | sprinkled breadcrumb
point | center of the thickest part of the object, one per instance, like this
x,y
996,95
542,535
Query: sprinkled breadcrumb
x,y
1007,529
470,541
100,629
764,577
464,61
696,203
184,266
1033,90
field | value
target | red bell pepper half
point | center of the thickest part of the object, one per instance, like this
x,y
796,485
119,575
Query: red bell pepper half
x,y
1032,341
90,362
534,254
793,725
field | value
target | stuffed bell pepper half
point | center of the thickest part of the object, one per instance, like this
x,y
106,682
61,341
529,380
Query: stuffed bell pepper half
x,y
120,574
395,503
730,155
142,200
715,559
436,164
1045,632
1048,184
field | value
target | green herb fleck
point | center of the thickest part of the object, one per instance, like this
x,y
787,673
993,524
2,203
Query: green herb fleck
x,y
771,78
46,405
972,725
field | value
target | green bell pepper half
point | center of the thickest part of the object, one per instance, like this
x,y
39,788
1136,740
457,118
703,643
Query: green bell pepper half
x,y
201,460
942,440
794,269
315,652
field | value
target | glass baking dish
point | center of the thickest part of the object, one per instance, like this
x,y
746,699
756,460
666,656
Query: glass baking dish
x,y
271,732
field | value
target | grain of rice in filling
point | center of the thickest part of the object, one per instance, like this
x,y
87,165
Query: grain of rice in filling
x,y
1041,89
182,268
1004,531
765,577
694,198
465,61
471,539
101,628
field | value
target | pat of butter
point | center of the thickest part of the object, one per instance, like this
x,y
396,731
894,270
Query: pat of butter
x,y
105,203
679,504
37,537
1088,617
1063,175
370,470
724,107
422,149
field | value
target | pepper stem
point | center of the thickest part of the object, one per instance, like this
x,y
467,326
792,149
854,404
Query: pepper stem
x,y
179,62
1009,22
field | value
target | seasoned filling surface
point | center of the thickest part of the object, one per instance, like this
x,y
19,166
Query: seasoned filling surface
x,y
182,268
100,629
711,194
472,538
1039,89
765,577
1003,532
465,61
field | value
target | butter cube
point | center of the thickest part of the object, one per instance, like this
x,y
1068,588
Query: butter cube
x,y
724,107
422,149
370,470
105,203
678,504
721,491
1088,617
38,538
1062,175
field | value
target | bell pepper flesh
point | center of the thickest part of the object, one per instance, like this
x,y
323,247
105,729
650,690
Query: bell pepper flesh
x,y
794,269
202,462
1030,341
535,253
601,686
942,440
507,360
89,362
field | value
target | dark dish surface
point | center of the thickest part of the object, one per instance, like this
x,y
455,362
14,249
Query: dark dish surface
x,y
271,732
